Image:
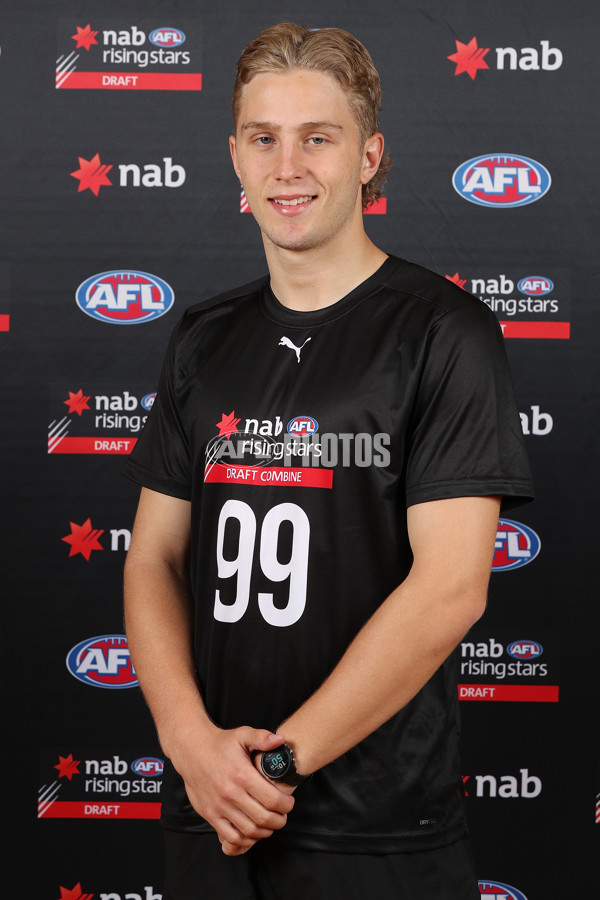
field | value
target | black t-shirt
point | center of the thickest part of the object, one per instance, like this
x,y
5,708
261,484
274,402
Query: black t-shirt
x,y
301,439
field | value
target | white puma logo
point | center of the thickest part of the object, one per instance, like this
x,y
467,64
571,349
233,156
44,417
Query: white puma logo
x,y
285,342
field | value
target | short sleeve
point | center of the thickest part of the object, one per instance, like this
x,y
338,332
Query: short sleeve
x,y
465,437
160,459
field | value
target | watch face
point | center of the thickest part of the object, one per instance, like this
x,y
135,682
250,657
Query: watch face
x,y
277,763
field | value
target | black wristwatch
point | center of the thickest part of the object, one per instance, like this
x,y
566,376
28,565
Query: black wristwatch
x,y
279,765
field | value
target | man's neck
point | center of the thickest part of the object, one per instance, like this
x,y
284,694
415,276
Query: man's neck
x,y
312,279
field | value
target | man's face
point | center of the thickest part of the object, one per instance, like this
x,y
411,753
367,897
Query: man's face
x,y
298,154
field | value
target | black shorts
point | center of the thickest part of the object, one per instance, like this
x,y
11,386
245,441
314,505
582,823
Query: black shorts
x,y
197,869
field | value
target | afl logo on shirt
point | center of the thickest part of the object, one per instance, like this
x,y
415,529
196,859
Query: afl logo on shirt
x,y
516,545
301,426
501,180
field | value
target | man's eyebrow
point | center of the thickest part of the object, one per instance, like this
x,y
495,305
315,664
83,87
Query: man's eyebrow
x,y
273,126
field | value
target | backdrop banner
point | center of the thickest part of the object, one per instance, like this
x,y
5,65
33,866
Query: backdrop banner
x,y
120,209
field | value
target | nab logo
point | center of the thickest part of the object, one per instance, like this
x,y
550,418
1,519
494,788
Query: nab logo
x,y
496,890
83,539
124,297
535,285
74,893
92,174
301,426
148,766
516,545
525,649
167,37
501,180
103,662
469,58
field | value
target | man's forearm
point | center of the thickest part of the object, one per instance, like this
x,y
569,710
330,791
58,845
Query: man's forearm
x,y
388,662
158,620
408,637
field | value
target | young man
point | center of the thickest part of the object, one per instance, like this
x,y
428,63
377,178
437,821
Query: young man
x,y
322,474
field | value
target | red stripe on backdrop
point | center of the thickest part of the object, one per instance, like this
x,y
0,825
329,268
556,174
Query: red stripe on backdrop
x,y
514,693
83,809
133,81
112,445
377,208
557,330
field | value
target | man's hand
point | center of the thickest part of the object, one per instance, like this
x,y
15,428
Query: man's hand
x,y
234,849
225,788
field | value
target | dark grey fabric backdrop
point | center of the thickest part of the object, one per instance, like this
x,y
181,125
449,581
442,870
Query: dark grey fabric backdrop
x,y
113,161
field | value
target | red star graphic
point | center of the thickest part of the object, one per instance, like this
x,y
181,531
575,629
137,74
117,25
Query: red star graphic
x,y
75,893
228,424
469,58
456,279
67,766
85,37
77,402
92,174
83,539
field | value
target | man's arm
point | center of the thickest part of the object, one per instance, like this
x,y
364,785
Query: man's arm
x,y
409,636
215,764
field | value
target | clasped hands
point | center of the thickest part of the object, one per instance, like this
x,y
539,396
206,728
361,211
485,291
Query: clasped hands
x,y
226,787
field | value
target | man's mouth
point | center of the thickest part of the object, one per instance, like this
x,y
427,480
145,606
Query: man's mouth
x,y
292,201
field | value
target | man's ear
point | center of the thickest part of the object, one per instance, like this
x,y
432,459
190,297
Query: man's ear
x,y
234,155
372,154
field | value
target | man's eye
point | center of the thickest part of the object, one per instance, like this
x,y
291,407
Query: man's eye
x,y
264,140
318,141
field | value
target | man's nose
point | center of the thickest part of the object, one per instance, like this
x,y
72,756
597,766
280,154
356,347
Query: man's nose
x,y
290,162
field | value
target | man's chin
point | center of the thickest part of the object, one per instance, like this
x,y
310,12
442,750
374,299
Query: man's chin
x,y
294,242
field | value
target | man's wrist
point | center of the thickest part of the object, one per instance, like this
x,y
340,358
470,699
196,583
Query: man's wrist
x,y
279,765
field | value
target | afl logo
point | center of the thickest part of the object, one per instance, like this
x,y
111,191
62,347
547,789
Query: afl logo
x,y
535,285
496,890
167,37
525,649
124,297
516,545
501,180
148,401
103,662
148,766
301,426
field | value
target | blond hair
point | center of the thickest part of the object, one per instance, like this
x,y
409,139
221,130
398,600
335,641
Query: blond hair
x,y
287,46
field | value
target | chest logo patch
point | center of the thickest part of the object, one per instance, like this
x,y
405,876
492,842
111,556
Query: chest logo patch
x,y
285,342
